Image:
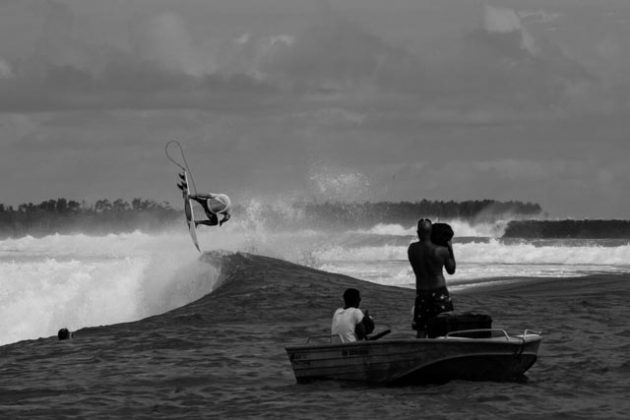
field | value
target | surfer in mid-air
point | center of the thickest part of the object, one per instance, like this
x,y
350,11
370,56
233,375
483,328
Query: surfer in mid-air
x,y
214,205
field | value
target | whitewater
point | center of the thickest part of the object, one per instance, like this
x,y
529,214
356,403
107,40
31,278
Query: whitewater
x,y
76,281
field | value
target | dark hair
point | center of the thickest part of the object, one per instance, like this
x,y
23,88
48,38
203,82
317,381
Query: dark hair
x,y
63,334
424,225
423,222
351,297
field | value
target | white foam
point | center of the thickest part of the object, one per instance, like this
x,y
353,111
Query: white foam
x,y
461,228
74,281
387,264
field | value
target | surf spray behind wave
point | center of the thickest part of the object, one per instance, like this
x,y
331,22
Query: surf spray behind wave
x,y
379,253
462,227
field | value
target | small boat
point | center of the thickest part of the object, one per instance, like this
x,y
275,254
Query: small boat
x,y
495,356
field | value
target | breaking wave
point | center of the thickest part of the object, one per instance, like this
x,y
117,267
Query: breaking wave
x,y
75,281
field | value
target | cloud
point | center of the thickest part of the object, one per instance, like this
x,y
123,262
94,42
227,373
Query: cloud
x,y
505,21
539,16
5,70
163,66
500,70
501,65
533,170
16,127
165,40
340,55
247,54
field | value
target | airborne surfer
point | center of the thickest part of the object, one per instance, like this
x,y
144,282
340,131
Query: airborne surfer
x,y
214,205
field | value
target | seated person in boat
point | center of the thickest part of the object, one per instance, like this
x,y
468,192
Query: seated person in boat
x,y
427,260
349,322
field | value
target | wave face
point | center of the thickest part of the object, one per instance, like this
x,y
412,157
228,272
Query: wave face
x,y
75,281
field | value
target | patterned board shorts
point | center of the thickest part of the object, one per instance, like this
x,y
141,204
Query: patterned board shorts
x,y
430,303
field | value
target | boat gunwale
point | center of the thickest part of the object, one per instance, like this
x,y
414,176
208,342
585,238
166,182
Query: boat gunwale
x,y
514,341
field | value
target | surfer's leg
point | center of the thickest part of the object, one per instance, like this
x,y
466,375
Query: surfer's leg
x,y
205,222
212,221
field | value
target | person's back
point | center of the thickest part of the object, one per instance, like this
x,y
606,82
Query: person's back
x,y
427,260
349,322
427,263
344,323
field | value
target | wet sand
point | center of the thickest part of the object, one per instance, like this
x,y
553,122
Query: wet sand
x,y
223,355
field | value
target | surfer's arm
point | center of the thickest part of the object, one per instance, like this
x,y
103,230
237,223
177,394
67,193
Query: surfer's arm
x,y
199,197
226,217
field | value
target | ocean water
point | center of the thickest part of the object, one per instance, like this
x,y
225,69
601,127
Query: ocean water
x,y
223,355
78,281
162,331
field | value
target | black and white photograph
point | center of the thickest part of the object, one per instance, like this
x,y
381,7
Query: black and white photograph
x,y
314,209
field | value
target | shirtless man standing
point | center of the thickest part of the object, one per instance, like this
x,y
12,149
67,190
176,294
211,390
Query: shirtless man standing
x,y
427,260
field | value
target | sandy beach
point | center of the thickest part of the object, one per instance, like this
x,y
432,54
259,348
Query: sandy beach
x,y
223,356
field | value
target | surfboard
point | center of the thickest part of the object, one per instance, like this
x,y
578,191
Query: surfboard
x,y
188,209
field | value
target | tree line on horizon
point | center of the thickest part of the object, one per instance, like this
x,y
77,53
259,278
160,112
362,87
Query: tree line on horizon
x,y
367,214
69,216
118,216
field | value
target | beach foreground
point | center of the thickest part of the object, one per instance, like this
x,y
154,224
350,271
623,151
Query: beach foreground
x,y
223,355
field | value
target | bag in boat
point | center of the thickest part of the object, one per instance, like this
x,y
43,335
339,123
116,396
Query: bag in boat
x,y
365,327
441,233
448,321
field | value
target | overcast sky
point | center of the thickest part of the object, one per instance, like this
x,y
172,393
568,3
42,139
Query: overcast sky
x,y
340,99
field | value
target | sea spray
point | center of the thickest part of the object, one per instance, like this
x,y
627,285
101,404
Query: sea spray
x,y
75,281
379,253
40,296
462,228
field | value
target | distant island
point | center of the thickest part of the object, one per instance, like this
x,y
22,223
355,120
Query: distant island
x,y
105,216
68,217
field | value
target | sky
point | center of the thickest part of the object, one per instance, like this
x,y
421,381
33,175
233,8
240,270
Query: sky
x,y
358,100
